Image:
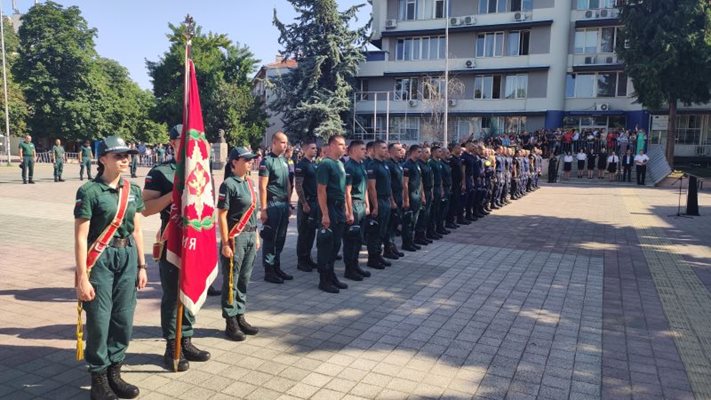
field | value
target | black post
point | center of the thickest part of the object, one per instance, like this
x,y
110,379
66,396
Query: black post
x,y
692,196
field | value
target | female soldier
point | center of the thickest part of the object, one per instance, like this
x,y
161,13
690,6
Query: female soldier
x,y
237,205
108,290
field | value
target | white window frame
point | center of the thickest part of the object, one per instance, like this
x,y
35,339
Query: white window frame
x,y
497,41
403,6
595,75
420,48
517,85
410,92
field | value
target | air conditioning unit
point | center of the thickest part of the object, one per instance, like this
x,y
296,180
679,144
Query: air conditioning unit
x,y
604,13
610,60
455,21
469,20
391,24
602,107
520,16
452,102
590,60
470,63
412,103
591,14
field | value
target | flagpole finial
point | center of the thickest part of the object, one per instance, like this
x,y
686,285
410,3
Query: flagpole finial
x,y
189,27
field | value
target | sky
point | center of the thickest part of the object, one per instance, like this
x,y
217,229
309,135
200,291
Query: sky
x,y
131,31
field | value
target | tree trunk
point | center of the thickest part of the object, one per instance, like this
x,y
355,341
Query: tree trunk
x,y
671,133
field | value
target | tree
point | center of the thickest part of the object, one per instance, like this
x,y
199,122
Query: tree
x,y
314,96
223,74
434,99
666,49
17,106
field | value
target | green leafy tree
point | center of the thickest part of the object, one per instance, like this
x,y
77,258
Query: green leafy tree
x,y
17,106
666,49
223,73
315,95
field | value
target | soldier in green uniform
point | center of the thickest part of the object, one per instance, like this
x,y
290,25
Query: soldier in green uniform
x,y
436,209
446,191
357,208
307,207
393,163
58,156
158,196
427,183
235,198
85,157
412,197
381,202
109,289
27,157
134,161
331,178
274,203
160,153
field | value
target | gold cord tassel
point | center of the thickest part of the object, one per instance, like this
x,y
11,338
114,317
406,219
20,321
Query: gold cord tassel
x,y
80,334
231,295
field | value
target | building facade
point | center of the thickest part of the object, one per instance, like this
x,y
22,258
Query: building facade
x,y
513,65
263,87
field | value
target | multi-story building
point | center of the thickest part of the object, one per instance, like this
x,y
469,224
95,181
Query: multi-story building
x,y
262,87
513,65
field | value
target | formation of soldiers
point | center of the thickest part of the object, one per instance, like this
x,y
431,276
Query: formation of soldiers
x,y
371,193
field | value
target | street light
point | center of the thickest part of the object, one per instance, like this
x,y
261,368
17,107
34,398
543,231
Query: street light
x,y
446,72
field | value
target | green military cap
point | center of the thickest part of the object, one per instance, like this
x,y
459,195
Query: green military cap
x,y
176,131
241,152
114,144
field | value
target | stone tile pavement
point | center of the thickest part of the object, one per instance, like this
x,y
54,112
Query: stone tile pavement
x,y
558,296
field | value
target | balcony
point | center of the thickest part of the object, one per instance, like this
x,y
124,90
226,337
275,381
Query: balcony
x,y
596,17
595,62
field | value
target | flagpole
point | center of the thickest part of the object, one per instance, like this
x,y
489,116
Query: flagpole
x,y
188,34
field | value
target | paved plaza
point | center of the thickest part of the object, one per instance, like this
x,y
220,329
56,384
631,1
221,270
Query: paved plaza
x,y
577,291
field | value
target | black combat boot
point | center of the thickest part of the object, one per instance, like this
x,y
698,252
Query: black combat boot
x,y
183,364
398,252
191,352
122,389
245,326
100,389
384,262
271,276
281,274
361,271
389,253
409,247
232,329
374,262
325,283
335,281
304,265
352,274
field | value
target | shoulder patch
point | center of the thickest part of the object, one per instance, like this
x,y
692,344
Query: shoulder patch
x,y
262,167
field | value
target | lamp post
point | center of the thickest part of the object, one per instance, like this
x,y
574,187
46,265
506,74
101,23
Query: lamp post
x,y
446,72
4,84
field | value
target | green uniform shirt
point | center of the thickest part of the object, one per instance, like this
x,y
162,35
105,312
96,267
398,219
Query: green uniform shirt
x,y
235,197
86,152
307,170
436,168
357,179
379,171
98,202
58,152
28,149
411,170
395,178
160,179
427,177
160,151
332,174
446,173
276,169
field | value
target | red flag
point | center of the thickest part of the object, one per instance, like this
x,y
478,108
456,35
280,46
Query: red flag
x,y
192,240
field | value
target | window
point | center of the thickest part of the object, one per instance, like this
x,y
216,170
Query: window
x,y
595,4
439,9
586,41
487,87
407,9
407,127
517,43
516,86
602,84
432,88
424,48
492,6
406,88
363,89
490,44
607,40
521,5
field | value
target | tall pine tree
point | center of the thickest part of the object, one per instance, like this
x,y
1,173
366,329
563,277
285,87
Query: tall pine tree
x,y
314,97
666,47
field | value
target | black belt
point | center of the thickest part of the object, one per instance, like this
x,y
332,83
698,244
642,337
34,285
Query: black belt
x,y
250,229
120,243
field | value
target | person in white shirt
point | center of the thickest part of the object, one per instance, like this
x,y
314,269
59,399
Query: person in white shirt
x,y
612,162
581,157
640,162
567,164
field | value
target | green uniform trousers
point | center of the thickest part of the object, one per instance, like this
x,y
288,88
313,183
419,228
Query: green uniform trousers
x,y
444,211
395,216
327,250
85,164
245,251
435,212
169,276
352,245
28,167
423,219
409,220
306,225
58,168
109,317
375,242
274,233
